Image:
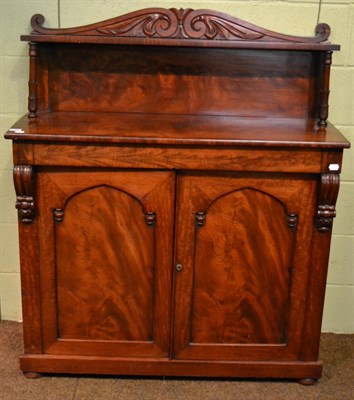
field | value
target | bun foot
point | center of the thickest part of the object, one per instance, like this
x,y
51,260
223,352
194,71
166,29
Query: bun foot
x,y
32,375
307,381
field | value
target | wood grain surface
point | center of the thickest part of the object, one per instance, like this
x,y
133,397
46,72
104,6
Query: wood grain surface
x,y
169,129
177,81
237,261
105,256
182,27
104,265
176,183
240,295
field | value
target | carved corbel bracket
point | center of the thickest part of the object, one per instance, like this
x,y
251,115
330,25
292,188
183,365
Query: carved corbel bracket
x,y
327,198
24,186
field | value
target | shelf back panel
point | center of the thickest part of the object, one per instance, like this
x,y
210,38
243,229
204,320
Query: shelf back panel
x,y
152,79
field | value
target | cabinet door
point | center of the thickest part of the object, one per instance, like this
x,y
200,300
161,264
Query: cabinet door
x,y
106,262
243,242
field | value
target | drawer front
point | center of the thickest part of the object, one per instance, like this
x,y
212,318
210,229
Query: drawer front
x,y
196,158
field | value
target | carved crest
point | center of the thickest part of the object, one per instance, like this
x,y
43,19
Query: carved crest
x,y
180,24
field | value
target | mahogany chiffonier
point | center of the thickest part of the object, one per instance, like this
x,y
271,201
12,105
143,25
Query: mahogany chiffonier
x,y
176,182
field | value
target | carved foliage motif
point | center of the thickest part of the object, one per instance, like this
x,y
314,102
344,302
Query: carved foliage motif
x,y
25,207
325,215
162,23
24,186
198,25
182,23
327,200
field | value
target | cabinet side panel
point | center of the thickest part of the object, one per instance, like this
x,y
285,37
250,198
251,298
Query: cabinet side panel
x,y
104,264
242,275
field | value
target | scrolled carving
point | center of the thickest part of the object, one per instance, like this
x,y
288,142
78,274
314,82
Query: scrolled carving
x,y
208,25
176,24
163,23
37,21
24,186
323,31
200,218
327,198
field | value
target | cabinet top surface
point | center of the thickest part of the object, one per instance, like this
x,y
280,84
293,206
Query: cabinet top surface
x,y
171,129
183,27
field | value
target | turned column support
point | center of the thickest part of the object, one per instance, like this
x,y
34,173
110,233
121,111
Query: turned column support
x,y
33,82
327,198
323,112
24,186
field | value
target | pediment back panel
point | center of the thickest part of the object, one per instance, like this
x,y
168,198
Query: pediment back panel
x,y
173,80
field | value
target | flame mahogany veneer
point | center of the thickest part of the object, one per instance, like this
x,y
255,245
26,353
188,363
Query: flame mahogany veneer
x,y
176,181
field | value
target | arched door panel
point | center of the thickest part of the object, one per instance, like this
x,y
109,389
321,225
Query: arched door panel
x,y
241,275
106,262
105,257
237,295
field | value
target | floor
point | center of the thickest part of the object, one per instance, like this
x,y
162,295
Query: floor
x,y
337,352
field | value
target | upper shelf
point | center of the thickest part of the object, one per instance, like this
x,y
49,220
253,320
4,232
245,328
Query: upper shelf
x,y
172,27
